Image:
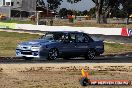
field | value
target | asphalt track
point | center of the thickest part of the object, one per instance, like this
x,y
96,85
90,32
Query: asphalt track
x,y
108,38
120,58
113,38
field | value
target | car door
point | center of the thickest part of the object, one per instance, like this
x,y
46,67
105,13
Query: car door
x,y
68,47
82,43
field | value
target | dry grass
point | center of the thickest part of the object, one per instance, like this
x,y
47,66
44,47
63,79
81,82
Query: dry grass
x,y
31,75
55,79
111,48
18,22
9,41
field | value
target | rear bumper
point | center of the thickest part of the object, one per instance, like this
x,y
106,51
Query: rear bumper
x,y
99,51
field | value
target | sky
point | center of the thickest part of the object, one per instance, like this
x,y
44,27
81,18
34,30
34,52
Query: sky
x,y
80,6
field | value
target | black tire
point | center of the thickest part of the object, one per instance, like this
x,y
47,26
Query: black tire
x,y
90,54
28,58
97,54
53,54
85,82
66,58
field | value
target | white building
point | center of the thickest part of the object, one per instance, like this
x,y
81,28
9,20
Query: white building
x,y
13,3
7,6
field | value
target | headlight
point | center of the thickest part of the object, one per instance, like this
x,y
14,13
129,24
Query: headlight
x,y
35,48
18,47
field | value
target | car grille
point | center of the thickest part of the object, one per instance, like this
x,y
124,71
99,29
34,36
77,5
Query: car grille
x,y
26,52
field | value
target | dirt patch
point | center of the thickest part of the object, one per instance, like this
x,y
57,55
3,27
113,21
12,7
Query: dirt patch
x,y
60,75
56,79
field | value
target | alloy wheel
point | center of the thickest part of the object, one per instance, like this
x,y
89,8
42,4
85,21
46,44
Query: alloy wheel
x,y
90,54
53,54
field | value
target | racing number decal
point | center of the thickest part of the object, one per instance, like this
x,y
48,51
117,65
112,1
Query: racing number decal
x,y
130,32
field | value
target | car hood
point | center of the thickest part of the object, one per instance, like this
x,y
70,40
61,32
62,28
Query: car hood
x,y
38,42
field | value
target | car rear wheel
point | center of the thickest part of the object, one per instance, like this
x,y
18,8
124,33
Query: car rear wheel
x,y
97,54
90,54
53,54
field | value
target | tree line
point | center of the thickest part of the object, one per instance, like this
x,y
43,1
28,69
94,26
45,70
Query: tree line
x,y
102,10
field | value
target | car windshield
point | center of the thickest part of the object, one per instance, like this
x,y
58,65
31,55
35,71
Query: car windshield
x,y
53,36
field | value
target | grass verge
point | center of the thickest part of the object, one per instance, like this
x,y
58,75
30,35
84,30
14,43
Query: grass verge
x,y
112,48
9,41
18,22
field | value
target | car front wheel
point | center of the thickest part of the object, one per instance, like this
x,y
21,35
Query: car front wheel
x,y
90,54
53,54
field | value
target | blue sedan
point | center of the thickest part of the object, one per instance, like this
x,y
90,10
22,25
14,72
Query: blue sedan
x,y
66,45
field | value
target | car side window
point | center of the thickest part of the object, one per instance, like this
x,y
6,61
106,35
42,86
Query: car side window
x,y
80,38
73,37
65,37
89,39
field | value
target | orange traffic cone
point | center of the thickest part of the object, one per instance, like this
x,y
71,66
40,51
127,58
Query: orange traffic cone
x,y
85,80
84,73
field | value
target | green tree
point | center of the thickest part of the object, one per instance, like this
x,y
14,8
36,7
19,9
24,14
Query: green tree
x,y
54,4
40,3
85,12
63,12
117,12
103,8
92,11
79,13
69,12
127,8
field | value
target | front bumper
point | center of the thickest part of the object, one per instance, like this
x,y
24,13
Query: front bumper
x,y
27,53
